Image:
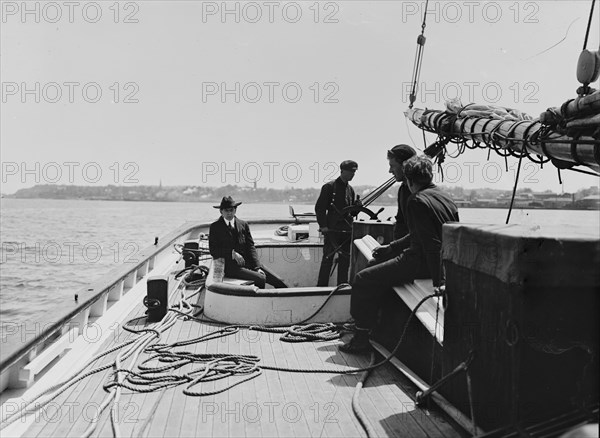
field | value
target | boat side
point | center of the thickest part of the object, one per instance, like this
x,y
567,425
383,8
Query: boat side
x,y
93,301
308,403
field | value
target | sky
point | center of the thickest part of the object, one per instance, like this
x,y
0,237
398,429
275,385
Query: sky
x,y
275,93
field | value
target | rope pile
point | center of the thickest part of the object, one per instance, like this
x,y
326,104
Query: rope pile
x,y
163,368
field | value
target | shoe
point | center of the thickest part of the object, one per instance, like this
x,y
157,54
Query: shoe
x,y
357,345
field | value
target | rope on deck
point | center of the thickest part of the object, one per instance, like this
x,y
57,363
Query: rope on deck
x,y
213,367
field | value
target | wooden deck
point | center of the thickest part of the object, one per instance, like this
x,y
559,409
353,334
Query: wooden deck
x,y
273,404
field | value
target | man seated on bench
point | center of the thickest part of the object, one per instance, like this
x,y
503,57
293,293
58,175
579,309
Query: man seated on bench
x,y
230,238
428,208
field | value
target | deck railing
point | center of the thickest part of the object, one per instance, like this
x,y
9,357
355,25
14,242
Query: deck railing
x,y
18,370
40,349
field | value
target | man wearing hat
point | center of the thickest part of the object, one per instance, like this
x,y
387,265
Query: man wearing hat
x,y
229,238
336,225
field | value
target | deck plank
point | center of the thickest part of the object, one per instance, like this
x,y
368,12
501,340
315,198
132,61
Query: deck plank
x,y
45,425
334,388
273,404
198,427
131,406
337,408
275,401
223,410
296,406
382,410
371,406
130,403
83,400
210,421
156,414
209,407
401,404
235,398
350,381
250,401
72,402
404,425
126,407
256,395
408,412
177,408
232,399
313,398
187,426
310,389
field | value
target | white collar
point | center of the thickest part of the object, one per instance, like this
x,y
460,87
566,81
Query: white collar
x,y
231,222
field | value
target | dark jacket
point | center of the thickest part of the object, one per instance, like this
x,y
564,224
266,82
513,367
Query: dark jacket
x,y
342,195
221,241
401,233
427,211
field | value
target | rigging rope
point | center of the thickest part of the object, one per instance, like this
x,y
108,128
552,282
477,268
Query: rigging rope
x,y
418,59
514,192
587,33
358,411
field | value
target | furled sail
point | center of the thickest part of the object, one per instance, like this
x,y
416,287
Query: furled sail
x,y
567,136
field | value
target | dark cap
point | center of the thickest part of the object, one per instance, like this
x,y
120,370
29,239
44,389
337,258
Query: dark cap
x,y
401,152
349,165
227,202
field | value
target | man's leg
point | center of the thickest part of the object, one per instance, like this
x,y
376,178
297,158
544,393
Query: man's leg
x,y
273,279
327,261
344,259
370,285
246,274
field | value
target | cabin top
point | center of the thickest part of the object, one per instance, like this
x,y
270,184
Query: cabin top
x,y
518,254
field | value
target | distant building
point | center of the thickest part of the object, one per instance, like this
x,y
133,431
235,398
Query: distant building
x,y
591,202
462,203
557,202
484,203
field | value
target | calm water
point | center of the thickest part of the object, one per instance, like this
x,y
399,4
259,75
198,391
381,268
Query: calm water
x,y
52,248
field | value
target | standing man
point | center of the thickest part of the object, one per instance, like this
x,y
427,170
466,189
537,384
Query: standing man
x,y
229,238
427,209
336,225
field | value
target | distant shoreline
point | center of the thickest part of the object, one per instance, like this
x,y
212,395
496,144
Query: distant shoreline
x,y
586,199
496,207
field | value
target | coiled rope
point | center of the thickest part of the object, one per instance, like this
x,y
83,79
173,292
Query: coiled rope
x,y
213,366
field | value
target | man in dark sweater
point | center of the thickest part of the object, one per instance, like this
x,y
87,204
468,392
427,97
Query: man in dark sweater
x,y
427,209
336,225
396,157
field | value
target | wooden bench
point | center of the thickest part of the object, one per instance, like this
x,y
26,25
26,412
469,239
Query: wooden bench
x,y
410,293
